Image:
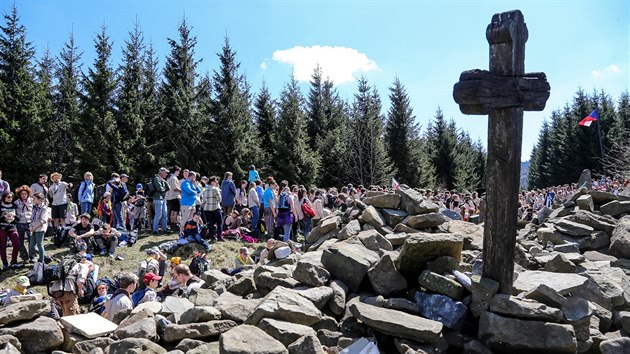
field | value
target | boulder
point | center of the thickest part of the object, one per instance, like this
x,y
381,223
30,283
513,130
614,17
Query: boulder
x,y
285,332
507,335
188,345
139,325
598,222
393,217
402,228
585,202
374,241
414,203
546,295
310,270
372,217
287,305
214,277
201,331
352,228
442,308
526,309
422,247
153,306
87,346
615,346
615,208
9,348
585,179
7,338
596,240
319,295
397,323
572,228
450,214
306,345
176,305
396,239
234,307
349,263
248,339
23,311
243,286
561,283
337,304
620,239
560,264
383,201
424,221
473,233
601,197
41,335
200,314
135,346
385,278
325,226
440,284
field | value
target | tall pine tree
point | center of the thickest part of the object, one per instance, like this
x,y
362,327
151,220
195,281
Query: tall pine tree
x,y
442,140
266,123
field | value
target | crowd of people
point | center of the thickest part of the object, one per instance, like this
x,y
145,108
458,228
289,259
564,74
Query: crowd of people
x,y
198,209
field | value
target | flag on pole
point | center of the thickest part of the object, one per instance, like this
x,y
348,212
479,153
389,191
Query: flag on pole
x,y
395,184
586,122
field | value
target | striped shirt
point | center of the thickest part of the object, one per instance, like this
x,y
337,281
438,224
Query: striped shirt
x,y
211,198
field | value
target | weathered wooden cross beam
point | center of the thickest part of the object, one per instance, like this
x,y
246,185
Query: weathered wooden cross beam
x,y
503,93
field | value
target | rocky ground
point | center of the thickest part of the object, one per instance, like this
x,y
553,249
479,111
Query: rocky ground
x,y
395,273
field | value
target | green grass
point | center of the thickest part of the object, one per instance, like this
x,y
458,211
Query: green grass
x,y
222,255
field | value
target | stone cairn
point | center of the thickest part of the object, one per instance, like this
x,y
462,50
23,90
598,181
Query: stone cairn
x,y
394,273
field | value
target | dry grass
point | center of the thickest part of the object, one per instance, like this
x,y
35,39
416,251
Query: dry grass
x,y
222,255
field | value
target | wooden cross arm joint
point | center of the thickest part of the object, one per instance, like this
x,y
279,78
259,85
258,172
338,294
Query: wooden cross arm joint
x,y
480,91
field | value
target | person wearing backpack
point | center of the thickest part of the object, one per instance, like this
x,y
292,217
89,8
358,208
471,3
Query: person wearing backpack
x,y
285,211
69,287
121,299
118,194
151,282
186,279
86,193
307,211
151,264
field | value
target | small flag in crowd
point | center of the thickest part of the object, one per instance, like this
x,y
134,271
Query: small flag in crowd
x,y
586,122
395,184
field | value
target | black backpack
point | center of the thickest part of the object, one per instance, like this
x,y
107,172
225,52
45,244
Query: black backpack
x,y
60,272
149,188
60,238
89,291
199,264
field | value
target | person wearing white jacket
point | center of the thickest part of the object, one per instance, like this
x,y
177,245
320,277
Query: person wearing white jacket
x,y
38,227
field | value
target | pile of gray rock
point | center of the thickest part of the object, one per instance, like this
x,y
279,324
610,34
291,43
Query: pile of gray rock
x,y
392,273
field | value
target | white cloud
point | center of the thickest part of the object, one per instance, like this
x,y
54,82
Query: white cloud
x,y
596,74
264,65
339,64
613,68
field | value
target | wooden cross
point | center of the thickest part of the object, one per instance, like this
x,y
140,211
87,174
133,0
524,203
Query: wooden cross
x,y
503,93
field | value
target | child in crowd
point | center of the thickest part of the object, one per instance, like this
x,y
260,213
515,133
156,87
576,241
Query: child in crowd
x,y
151,282
172,285
233,221
72,213
192,232
101,298
246,218
105,208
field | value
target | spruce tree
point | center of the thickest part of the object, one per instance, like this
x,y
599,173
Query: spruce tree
x,y
317,120
366,159
150,157
21,125
539,161
266,123
238,147
180,125
130,119
401,135
293,159
426,170
332,145
98,130
46,89
64,141
441,140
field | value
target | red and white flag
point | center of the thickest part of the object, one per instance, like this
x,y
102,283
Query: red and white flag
x,y
395,184
586,122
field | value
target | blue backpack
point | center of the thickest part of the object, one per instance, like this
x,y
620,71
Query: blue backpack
x,y
137,296
283,201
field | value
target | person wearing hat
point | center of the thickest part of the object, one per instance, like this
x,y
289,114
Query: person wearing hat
x,y
159,201
151,264
151,282
58,193
21,288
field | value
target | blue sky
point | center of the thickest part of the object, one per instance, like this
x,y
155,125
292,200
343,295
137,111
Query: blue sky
x,y
427,44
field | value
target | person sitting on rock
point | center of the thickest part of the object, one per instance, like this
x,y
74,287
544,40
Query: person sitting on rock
x,y
187,280
269,254
21,288
121,299
242,261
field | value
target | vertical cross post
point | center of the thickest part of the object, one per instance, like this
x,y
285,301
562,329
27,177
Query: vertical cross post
x,y
503,93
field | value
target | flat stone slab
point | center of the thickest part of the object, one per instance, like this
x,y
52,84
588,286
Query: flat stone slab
x,y
397,323
562,283
251,340
285,305
89,325
526,309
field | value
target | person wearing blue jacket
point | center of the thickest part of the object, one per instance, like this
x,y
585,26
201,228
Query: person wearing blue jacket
x,y
253,175
190,190
86,193
228,194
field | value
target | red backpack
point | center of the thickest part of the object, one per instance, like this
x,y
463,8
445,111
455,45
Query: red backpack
x,y
307,209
